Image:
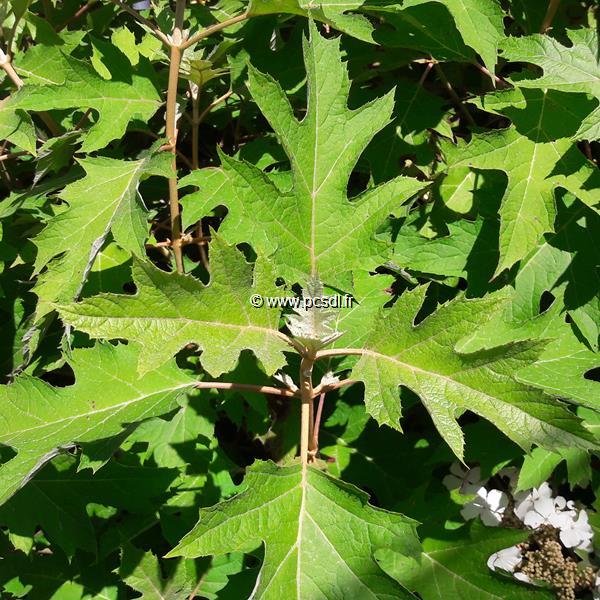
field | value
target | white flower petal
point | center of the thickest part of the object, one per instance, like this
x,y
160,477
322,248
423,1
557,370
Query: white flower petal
x,y
457,469
497,500
507,559
470,511
544,491
533,519
570,538
523,504
490,519
451,482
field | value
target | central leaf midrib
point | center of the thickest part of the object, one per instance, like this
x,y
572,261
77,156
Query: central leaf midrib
x,y
218,324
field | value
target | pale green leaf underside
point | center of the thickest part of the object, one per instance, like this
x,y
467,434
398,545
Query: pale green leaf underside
x,y
423,359
172,310
320,535
37,419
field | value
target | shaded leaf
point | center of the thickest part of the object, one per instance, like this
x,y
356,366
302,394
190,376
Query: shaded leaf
x,y
142,571
574,68
453,566
37,419
105,201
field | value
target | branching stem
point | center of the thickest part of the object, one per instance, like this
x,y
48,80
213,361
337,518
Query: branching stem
x,y
549,16
84,9
6,65
198,117
318,421
247,387
307,445
171,129
329,387
457,101
154,30
12,155
195,128
491,75
213,29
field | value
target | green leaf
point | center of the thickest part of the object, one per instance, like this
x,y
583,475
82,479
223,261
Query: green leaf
x,y
371,292
423,358
416,112
109,272
20,7
39,419
167,440
469,250
540,464
44,501
43,65
537,468
564,261
311,525
479,24
424,26
124,40
563,264
313,229
220,573
332,12
453,566
55,154
573,68
117,101
142,571
172,310
214,186
537,160
105,201
17,127
42,576
562,367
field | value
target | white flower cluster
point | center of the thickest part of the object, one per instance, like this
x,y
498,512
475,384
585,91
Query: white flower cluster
x,y
538,507
533,508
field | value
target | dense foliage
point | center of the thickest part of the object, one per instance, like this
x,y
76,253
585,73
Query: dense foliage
x,y
175,175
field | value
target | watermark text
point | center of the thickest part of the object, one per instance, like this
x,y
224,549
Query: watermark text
x,y
295,303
